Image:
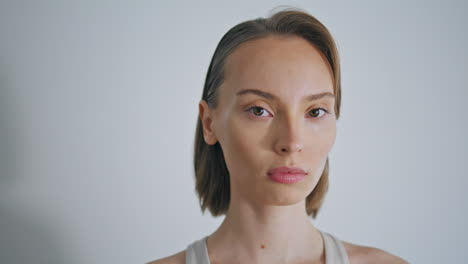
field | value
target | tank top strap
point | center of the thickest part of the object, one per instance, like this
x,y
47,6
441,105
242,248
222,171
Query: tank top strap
x,y
335,253
196,252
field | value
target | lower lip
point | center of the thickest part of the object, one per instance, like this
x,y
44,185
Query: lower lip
x,y
287,178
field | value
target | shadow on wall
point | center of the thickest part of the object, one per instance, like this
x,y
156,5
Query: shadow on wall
x,y
23,237
25,240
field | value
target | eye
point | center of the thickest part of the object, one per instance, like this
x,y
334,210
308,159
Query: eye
x,y
316,112
260,111
257,110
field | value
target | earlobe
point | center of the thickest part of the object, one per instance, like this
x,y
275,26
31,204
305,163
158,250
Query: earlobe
x,y
206,119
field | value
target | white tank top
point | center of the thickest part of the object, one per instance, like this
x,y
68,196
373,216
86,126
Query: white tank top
x,y
335,253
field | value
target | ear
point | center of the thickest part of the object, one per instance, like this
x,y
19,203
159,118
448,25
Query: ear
x,y
206,117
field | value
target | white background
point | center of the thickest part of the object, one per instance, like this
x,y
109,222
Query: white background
x,y
98,106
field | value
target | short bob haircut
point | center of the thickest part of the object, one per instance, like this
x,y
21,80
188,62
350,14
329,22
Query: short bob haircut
x,y
211,173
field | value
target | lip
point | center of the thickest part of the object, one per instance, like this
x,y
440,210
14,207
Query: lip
x,y
287,175
292,170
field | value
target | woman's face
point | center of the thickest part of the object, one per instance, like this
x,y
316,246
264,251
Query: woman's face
x,y
281,128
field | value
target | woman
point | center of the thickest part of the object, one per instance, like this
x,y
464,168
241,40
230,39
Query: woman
x,y
267,121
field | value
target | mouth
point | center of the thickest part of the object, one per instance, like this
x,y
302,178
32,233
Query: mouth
x,y
287,175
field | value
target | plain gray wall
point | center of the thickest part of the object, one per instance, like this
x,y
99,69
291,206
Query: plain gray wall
x,y
99,101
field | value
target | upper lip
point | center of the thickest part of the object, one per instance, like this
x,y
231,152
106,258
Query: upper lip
x,y
285,169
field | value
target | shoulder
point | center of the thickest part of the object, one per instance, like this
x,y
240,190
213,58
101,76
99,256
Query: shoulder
x,y
177,258
359,254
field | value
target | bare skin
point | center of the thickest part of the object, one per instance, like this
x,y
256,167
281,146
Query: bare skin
x,y
357,254
266,221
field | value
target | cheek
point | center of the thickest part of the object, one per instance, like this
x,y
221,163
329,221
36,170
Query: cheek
x,y
242,146
322,139
317,147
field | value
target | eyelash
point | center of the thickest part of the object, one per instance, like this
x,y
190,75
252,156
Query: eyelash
x,y
256,106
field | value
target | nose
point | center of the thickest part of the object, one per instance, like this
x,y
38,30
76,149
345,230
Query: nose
x,y
290,138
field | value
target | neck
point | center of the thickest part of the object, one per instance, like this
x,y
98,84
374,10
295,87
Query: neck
x,y
266,234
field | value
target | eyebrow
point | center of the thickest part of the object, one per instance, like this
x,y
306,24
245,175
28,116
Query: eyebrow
x,y
270,96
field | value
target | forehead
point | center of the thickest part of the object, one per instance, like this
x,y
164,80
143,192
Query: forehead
x,y
279,64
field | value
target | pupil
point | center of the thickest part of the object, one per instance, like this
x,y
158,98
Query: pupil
x,y
258,110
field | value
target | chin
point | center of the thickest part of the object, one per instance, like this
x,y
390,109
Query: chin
x,y
285,197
